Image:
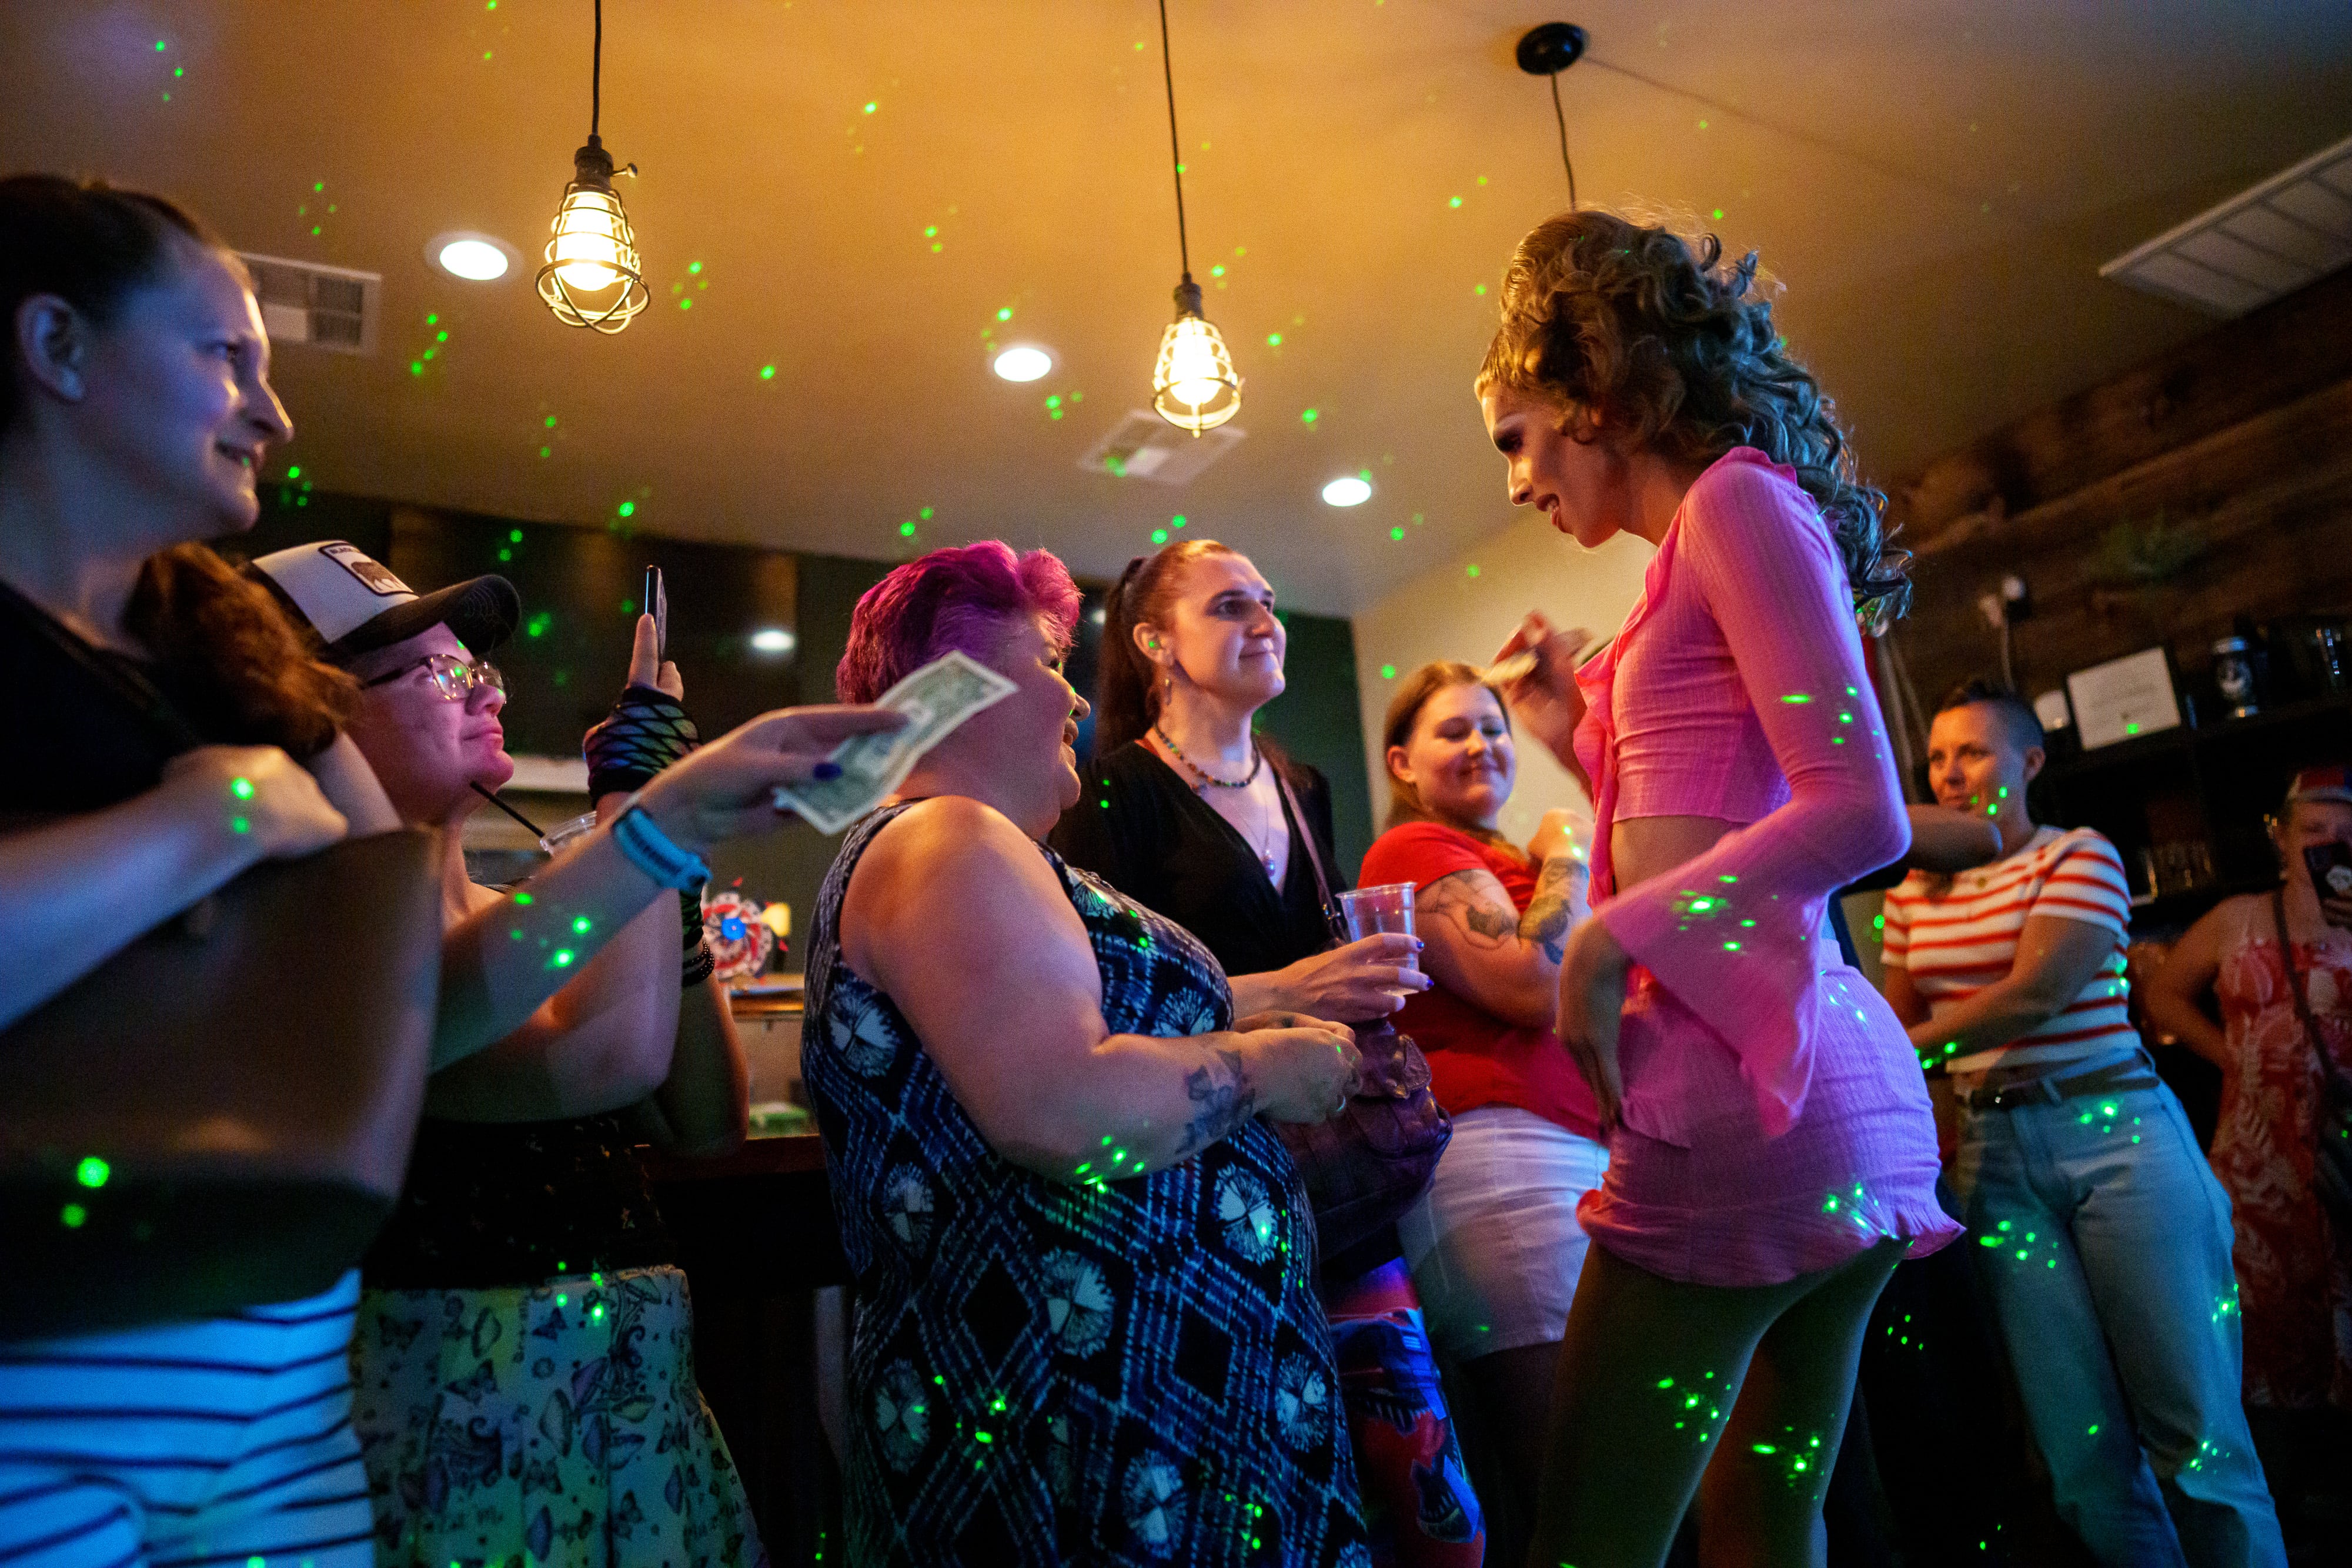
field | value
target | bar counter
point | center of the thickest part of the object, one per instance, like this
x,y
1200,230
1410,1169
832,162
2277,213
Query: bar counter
x,y
755,1233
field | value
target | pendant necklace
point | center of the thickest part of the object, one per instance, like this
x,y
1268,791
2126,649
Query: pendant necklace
x,y
1257,762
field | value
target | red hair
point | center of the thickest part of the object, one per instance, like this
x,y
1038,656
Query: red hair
x,y
959,598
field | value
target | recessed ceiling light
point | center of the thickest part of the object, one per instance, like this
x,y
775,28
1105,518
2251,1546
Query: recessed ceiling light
x,y
772,640
1347,490
475,258
1023,362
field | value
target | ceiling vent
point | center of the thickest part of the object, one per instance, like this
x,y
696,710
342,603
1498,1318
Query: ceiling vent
x,y
2290,230
1146,446
325,306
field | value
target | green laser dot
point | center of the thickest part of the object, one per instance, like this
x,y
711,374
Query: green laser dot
x,y
580,925
240,825
241,788
1159,536
1388,671
72,1215
1309,415
564,956
1177,521
522,898
92,1172
767,373
627,509
907,530
1004,314
295,472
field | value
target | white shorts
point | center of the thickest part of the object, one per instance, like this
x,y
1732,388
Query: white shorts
x,y
1494,1244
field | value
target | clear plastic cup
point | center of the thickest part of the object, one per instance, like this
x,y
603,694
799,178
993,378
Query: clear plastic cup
x,y
1372,911
563,833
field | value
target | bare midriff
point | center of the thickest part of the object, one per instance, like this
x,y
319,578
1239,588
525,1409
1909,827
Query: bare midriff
x,y
1643,847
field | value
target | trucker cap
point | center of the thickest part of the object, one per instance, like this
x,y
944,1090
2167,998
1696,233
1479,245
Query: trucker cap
x,y
356,605
2333,782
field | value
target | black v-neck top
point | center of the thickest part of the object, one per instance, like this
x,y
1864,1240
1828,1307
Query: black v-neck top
x,y
1139,827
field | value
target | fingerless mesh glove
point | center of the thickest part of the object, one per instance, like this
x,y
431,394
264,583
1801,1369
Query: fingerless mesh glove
x,y
645,732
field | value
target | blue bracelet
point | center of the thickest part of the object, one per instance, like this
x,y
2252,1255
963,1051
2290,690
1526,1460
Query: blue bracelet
x,y
652,851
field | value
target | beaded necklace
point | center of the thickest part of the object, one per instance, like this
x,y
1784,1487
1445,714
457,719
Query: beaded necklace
x,y
1257,760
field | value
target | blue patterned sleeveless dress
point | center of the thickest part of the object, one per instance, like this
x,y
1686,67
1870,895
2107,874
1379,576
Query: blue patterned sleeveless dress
x,y
1134,1372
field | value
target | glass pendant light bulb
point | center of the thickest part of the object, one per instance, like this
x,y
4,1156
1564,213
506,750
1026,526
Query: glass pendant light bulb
x,y
1194,386
591,278
586,244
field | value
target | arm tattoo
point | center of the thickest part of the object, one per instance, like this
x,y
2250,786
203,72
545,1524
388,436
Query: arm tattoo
x,y
1552,910
1223,1099
1485,922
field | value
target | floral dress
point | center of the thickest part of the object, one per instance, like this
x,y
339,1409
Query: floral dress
x,y
1128,1372
2294,1273
523,1364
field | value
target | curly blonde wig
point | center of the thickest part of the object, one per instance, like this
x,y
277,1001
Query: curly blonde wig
x,y
1671,345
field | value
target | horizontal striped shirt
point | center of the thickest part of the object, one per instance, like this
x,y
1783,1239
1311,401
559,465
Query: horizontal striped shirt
x,y
1956,944
213,1444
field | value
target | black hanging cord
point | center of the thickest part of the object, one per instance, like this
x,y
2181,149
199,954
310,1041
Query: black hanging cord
x,y
1557,114
1175,146
596,76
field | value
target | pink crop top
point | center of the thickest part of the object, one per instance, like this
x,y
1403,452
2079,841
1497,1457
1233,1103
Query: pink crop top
x,y
1735,689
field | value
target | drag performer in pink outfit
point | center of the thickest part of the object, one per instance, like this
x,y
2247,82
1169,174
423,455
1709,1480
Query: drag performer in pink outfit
x,y
1771,1151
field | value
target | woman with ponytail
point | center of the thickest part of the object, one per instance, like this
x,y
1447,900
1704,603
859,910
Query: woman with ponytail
x,y
1187,810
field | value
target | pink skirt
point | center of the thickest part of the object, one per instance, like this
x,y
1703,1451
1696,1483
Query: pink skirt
x,y
1724,1205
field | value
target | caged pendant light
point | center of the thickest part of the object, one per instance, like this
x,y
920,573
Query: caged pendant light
x,y
591,278
1194,384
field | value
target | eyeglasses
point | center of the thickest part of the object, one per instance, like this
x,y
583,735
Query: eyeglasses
x,y
455,676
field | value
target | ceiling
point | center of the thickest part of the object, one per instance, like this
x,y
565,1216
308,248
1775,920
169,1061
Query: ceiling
x,y
1936,184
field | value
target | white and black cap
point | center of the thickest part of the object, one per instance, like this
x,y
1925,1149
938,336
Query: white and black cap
x,y
356,605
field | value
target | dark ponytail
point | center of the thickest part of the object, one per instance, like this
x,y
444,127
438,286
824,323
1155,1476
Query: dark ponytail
x,y
1127,685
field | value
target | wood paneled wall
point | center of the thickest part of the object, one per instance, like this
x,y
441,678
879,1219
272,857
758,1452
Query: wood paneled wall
x,y
2245,434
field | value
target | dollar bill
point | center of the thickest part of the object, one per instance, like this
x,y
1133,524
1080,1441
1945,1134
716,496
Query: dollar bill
x,y
935,699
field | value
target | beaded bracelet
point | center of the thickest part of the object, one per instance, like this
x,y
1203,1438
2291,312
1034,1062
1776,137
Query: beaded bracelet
x,y
654,853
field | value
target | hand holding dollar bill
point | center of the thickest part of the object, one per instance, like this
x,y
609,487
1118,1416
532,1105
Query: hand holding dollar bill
x,y
935,699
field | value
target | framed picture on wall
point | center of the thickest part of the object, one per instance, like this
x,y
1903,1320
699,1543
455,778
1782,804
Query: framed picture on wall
x,y
2124,698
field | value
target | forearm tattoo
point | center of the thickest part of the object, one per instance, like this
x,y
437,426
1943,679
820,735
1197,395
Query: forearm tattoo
x,y
1552,909
1223,1099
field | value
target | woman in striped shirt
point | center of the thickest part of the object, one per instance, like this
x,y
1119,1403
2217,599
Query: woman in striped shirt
x,y
2103,1240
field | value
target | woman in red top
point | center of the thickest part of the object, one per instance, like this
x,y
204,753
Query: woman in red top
x,y
1493,1246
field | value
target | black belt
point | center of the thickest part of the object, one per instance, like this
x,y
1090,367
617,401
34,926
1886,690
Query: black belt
x,y
2051,1090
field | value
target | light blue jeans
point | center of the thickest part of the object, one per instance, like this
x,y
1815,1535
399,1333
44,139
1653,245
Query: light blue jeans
x,y
2104,1240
